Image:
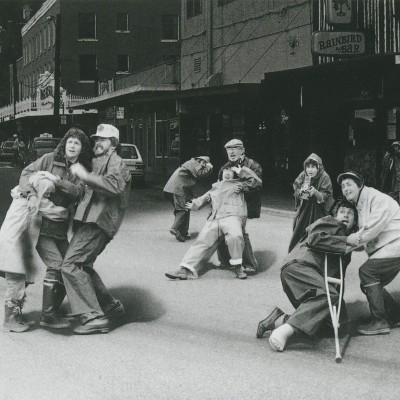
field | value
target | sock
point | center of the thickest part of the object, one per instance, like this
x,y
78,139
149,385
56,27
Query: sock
x,y
280,336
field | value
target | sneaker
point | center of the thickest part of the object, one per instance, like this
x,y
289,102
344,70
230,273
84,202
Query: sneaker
x,y
374,328
93,326
179,237
180,274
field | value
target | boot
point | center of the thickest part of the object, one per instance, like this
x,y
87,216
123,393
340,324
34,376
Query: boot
x,y
379,324
13,317
49,318
239,271
59,297
392,309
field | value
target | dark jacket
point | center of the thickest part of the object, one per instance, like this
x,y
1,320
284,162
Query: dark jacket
x,y
251,188
69,190
186,176
106,195
324,235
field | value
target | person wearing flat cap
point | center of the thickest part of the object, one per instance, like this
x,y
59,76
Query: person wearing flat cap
x,y
178,190
251,187
379,234
390,175
97,220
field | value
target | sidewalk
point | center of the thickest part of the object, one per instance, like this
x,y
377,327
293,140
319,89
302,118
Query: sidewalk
x,y
274,201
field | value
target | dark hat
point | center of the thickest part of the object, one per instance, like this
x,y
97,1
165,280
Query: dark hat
x,y
350,175
204,158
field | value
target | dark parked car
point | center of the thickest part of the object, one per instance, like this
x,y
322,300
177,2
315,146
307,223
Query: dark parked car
x,y
42,145
7,151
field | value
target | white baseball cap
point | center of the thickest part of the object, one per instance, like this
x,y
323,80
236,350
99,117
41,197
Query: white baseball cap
x,y
106,131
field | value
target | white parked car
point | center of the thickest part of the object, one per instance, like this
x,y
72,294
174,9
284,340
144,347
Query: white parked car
x,y
132,158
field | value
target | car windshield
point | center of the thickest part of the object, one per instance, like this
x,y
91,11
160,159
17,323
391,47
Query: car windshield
x,y
46,143
129,152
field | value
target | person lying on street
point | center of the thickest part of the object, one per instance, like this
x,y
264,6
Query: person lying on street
x,y
226,222
302,276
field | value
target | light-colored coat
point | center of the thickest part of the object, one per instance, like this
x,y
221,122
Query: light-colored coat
x,y
379,221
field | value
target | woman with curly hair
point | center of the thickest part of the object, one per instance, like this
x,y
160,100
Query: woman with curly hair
x,y
52,242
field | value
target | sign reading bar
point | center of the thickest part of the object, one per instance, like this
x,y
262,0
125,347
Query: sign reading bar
x,y
338,43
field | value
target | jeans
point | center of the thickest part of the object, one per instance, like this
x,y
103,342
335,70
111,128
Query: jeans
x,y
52,252
86,292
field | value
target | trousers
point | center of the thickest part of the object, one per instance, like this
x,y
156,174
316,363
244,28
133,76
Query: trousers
x,y
86,292
228,228
305,288
15,287
182,215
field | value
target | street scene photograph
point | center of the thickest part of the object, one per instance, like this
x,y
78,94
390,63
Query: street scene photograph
x,y
200,199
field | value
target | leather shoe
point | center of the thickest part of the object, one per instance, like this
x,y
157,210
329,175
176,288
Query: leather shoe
x,y
116,312
250,270
179,237
374,328
97,325
268,324
181,274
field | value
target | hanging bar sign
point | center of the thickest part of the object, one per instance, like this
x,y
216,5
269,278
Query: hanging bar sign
x,y
338,43
339,11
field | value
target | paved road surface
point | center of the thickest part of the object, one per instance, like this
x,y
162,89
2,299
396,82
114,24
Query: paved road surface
x,y
193,339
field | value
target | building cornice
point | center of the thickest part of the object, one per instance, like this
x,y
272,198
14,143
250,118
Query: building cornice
x,y
42,11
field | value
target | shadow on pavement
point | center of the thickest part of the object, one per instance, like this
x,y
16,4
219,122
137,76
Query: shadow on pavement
x,y
265,259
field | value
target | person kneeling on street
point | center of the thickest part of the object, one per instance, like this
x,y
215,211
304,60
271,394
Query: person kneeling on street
x,y
227,220
302,276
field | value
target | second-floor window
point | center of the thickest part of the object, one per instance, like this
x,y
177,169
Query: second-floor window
x,y
170,27
123,63
87,67
122,22
86,26
193,8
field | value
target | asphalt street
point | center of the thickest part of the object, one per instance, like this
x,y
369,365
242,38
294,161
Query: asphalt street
x,y
191,339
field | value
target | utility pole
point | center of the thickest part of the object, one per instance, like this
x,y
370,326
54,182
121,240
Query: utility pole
x,y
57,70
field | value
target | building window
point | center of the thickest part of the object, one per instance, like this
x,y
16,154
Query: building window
x,y
123,63
193,8
87,67
170,28
122,22
223,2
86,26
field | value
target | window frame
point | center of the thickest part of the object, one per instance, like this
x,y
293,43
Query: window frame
x,y
170,40
120,71
193,8
127,30
81,80
87,39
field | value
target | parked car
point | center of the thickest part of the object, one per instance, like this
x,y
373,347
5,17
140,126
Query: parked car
x,y
42,145
132,158
7,151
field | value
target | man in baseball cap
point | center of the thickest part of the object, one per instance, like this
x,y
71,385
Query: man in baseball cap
x,y
97,219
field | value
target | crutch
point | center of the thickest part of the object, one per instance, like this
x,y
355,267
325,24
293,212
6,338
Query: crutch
x,y
335,311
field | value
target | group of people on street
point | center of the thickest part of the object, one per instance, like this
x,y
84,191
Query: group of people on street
x,y
80,187
364,218
70,203
233,199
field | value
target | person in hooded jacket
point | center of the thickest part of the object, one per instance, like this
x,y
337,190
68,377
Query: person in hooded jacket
x,y
313,195
178,190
